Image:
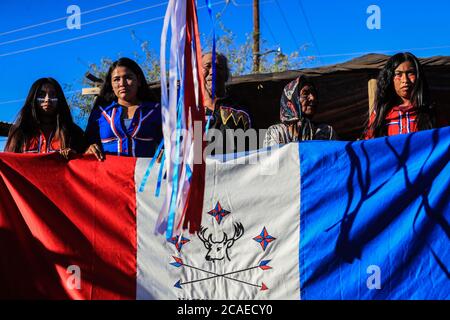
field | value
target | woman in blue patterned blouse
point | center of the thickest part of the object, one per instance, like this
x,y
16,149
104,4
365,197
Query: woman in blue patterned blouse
x,y
124,120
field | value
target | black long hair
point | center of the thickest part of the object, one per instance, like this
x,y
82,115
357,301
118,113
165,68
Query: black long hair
x,y
386,97
28,124
107,96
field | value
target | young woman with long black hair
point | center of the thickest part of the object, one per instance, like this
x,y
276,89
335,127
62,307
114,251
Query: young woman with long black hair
x,y
124,120
44,123
402,103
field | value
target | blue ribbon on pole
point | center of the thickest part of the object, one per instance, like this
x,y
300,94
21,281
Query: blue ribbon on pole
x,y
173,197
150,166
160,174
207,124
213,87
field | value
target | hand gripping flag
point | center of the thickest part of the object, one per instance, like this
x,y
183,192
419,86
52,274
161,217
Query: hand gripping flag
x,y
310,220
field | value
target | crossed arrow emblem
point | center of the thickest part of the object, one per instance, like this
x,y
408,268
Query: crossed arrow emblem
x,y
263,265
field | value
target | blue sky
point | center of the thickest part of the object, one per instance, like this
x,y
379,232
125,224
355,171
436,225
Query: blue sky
x,y
335,31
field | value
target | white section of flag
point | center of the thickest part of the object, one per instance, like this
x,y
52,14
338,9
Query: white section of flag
x,y
263,193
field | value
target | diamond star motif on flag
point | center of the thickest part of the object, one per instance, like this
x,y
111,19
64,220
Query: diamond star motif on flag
x,y
179,241
218,212
264,238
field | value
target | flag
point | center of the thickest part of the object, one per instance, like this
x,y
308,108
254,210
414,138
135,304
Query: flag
x,y
310,220
183,119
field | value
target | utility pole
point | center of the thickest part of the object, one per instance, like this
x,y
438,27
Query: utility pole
x,y
256,35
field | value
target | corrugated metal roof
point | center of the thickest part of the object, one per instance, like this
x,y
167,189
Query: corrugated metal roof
x,y
342,89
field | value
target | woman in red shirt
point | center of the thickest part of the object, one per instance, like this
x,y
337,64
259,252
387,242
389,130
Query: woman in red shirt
x,y
402,103
44,123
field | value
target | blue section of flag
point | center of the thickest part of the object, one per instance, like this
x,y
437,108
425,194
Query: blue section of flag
x,y
150,166
160,175
376,210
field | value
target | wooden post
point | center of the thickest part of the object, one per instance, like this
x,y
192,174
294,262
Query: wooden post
x,y
90,91
372,87
256,34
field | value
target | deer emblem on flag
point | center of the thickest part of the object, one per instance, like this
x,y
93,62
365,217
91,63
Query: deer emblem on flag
x,y
218,250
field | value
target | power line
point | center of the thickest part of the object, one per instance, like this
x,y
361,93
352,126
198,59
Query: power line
x,y
83,24
62,18
80,37
91,34
12,101
309,28
241,4
287,24
219,15
268,28
225,7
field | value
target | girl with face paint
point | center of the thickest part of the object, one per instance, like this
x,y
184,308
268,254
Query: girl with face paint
x,y
45,124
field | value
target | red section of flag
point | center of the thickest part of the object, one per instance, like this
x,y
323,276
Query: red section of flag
x,y
45,228
194,206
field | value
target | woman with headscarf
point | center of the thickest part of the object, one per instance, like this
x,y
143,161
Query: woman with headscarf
x,y
297,107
